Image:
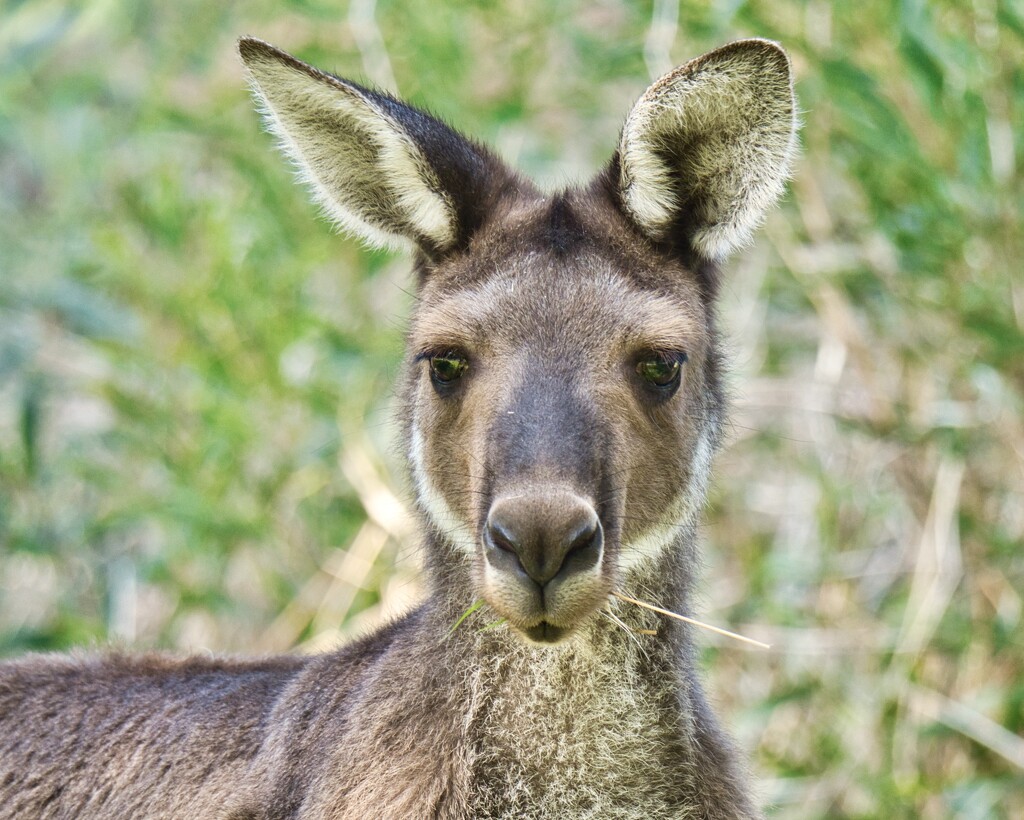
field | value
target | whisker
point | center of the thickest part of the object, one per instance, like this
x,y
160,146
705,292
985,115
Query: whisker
x,y
618,621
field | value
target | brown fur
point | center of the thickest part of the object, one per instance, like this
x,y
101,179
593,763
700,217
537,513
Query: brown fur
x,y
550,471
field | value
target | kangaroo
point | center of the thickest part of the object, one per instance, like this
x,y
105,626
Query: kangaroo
x,y
561,401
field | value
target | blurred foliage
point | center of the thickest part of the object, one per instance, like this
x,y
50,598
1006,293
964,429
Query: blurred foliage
x,y
196,433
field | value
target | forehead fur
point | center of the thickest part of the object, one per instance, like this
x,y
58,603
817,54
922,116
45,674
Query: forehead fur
x,y
569,223
540,268
591,303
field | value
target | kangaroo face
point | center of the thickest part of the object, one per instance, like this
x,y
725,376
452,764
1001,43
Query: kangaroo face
x,y
561,396
562,412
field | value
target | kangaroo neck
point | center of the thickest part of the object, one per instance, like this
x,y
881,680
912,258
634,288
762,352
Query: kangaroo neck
x,y
612,701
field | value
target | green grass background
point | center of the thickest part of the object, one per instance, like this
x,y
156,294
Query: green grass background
x,y
196,427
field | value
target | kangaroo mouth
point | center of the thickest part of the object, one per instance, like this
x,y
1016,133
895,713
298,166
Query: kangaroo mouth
x,y
545,615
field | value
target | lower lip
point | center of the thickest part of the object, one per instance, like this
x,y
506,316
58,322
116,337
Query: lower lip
x,y
546,633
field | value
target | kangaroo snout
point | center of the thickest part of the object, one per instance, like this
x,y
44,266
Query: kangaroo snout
x,y
544,537
542,550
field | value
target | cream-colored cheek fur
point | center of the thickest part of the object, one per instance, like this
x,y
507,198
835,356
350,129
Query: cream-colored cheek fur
x,y
364,170
717,136
661,535
443,517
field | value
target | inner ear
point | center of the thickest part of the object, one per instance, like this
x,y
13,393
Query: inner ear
x,y
708,147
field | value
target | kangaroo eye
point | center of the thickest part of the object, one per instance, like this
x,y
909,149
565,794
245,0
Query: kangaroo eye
x,y
447,368
661,370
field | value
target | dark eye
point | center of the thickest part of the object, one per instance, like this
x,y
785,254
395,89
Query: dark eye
x,y
447,368
661,369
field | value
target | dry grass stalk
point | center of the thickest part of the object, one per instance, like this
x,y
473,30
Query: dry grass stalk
x,y
691,621
962,718
349,576
382,505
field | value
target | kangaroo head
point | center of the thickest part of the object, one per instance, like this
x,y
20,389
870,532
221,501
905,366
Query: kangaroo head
x,y
561,388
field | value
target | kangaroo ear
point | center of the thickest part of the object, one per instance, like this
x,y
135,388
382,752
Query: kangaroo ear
x,y
706,150
381,169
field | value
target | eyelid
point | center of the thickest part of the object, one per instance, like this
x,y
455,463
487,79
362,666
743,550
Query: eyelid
x,y
440,348
672,354
451,351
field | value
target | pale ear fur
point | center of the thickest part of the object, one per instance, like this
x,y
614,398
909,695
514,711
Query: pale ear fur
x,y
363,166
708,147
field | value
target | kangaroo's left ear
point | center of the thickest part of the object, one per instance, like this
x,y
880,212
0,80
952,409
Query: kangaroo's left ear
x,y
707,149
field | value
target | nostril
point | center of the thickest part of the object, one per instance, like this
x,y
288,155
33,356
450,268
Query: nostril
x,y
582,538
502,548
584,548
501,538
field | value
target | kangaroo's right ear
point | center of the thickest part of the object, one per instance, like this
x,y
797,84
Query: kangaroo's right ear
x,y
380,169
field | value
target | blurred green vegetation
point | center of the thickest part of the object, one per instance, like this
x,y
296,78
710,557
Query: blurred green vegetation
x,y
196,432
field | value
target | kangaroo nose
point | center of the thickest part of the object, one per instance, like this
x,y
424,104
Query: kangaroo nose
x,y
543,535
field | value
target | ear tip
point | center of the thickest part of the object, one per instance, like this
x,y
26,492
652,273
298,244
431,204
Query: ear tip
x,y
249,47
760,44
254,50
757,48
756,55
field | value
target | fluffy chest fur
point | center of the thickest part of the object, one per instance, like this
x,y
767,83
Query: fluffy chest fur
x,y
582,731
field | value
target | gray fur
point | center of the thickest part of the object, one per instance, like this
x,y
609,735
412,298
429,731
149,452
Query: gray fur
x,y
576,706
